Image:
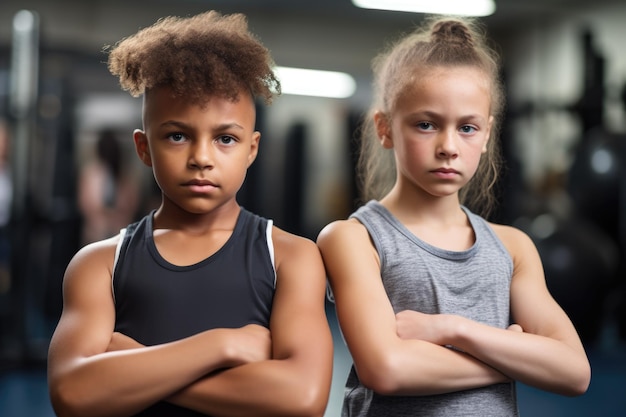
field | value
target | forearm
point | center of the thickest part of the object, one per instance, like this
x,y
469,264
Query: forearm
x,y
269,388
125,382
543,362
416,367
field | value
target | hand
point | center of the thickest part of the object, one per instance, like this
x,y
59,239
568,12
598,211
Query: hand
x,y
120,341
428,327
251,343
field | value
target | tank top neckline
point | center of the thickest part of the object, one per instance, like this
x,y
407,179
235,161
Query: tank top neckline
x,y
435,250
154,251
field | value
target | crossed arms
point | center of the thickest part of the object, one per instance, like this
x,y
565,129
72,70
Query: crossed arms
x,y
283,370
405,353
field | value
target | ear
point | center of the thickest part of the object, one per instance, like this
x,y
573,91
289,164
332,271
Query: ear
x,y
141,147
488,135
254,148
383,129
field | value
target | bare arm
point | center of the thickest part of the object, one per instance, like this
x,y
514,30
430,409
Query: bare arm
x,y
384,361
86,380
548,354
296,381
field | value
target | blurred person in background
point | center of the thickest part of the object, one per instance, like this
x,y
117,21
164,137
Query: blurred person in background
x,y
108,193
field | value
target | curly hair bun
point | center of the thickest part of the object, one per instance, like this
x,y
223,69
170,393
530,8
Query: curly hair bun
x,y
197,57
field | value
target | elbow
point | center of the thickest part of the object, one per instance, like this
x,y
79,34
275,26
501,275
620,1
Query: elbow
x,y
310,401
580,383
381,385
381,377
67,401
575,384
64,403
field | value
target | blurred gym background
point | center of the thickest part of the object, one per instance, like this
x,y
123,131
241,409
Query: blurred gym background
x,y
564,141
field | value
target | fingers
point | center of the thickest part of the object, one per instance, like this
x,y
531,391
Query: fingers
x,y
515,328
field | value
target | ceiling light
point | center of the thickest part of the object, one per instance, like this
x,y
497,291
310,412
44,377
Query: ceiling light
x,y
450,7
308,82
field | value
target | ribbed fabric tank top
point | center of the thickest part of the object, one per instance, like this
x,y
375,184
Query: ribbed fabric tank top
x,y
473,283
158,302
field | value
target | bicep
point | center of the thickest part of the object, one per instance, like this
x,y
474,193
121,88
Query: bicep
x,y
86,323
532,305
298,323
364,311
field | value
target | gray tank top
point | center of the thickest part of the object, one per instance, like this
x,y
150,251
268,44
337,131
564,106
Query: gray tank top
x,y
473,283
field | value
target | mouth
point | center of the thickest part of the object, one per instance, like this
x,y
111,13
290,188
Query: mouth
x,y
445,172
200,182
200,185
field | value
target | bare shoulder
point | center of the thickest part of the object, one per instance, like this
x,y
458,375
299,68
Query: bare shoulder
x,y
292,249
348,252
286,242
97,257
515,240
103,248
341,230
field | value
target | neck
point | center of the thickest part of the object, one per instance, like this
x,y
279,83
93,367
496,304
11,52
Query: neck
x,y
413,206
172,217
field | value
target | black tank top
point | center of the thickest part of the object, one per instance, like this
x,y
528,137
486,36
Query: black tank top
x,y
158,302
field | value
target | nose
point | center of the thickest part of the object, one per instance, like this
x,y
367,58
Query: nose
x,y
201,155
447,144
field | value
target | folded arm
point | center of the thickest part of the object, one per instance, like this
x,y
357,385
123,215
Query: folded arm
x,y
296,380
384,361
87,379
547,354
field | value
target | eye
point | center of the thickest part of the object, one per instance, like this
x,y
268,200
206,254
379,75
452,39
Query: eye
x,y
226,139
425,126
468,129
177,137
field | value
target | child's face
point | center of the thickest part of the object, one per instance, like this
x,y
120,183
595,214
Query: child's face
x,y
439,129
199,154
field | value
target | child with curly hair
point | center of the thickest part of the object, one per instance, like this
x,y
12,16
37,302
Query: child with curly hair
x,y
441,310
201,307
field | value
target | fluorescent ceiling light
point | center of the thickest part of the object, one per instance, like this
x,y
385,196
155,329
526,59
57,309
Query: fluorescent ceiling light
x,y
451,7
308,82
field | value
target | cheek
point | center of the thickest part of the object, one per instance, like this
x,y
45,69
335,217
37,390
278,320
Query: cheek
x,y
164,168
414,149
478,156
411,157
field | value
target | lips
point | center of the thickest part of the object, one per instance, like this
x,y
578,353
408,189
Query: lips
x,y
200,186
200,182
446,171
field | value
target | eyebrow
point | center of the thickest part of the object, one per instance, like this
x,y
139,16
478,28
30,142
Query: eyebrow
x,y
182,125
431,114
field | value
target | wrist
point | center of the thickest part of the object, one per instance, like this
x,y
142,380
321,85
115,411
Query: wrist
x,y
459,331
229,351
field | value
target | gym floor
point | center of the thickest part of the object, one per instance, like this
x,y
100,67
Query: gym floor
x,y
23,390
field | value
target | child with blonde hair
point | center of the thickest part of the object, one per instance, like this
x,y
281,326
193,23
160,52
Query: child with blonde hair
x,y
442,311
